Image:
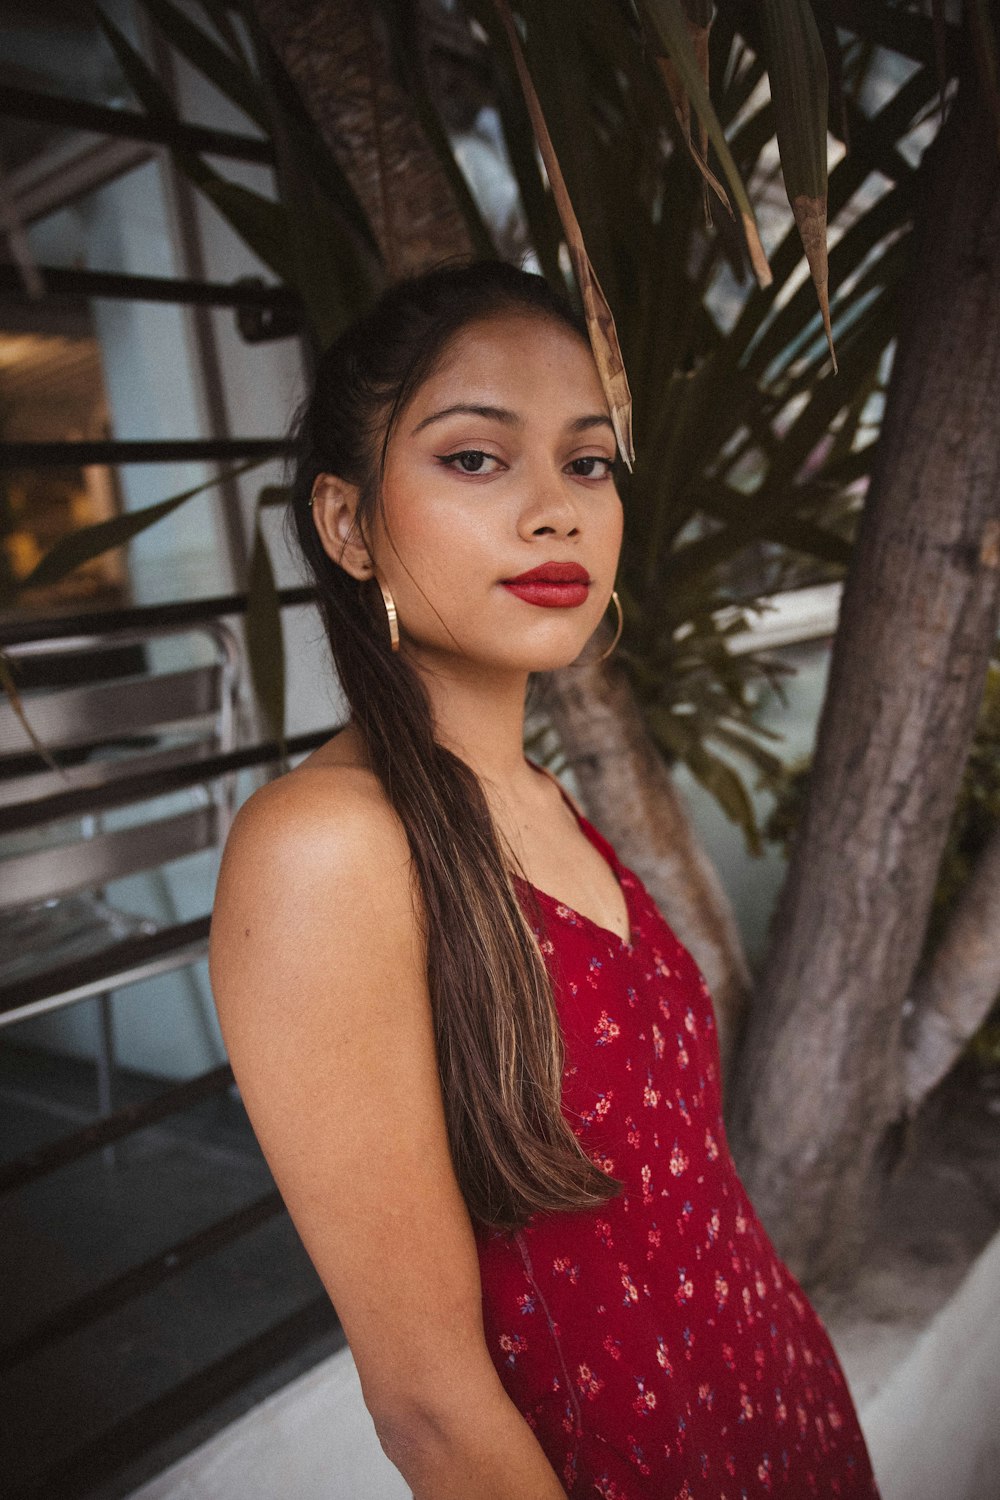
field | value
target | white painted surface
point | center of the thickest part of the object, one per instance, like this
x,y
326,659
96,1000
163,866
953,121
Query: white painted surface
x,y
312,1440
787,619
933,1428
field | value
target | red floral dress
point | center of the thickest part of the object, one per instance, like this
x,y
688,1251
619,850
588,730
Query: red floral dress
x,y
657,1346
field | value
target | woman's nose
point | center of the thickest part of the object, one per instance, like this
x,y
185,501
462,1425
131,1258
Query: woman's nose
x,y
551,508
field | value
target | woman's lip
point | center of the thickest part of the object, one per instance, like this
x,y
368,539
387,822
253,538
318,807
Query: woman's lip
x,y
550,595
552,572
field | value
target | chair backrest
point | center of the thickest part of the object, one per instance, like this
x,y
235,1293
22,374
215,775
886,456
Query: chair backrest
x,y
100,730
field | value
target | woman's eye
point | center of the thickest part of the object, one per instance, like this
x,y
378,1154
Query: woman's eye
x,y
593,459
469,460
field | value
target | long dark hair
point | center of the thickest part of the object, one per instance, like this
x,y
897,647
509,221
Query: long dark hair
x,y
499,1045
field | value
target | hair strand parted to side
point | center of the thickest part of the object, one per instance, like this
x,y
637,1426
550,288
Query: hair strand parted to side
x,y
499,1045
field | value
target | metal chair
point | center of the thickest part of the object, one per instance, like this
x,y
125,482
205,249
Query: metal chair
x,y
61,940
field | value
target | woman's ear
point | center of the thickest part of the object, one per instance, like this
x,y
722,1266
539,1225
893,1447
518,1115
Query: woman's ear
x,y
334,511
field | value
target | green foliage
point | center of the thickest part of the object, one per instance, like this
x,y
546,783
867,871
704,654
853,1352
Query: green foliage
x,y
80,546
315,237
747,449
265,637
743,441
791,791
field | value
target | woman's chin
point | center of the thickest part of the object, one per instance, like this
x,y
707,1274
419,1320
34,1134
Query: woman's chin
x,y
553,660
514,657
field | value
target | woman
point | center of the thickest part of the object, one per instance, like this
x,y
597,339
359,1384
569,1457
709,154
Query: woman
x,y
482,1068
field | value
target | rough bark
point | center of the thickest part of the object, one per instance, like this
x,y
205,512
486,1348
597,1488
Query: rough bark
x,y
819,1078
954,994
630,793
337,55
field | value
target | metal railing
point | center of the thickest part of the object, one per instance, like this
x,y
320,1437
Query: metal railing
x,y
161,1419
262,311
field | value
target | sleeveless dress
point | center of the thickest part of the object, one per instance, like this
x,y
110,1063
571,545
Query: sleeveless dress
x,y
657,1346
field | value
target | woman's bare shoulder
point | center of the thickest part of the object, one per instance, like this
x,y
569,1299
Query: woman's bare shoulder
x,y
322,832
327,806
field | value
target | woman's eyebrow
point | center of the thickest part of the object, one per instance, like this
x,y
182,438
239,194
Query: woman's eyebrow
x,y
581,424
495,413
509,418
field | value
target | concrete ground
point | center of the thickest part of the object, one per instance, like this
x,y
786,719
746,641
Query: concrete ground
x,y
933,1426
919,1332
941,1211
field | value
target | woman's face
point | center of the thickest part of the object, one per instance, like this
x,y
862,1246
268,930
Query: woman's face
x,y
499,464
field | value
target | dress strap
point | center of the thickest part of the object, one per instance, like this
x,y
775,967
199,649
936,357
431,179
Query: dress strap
x,y
567,795
594,836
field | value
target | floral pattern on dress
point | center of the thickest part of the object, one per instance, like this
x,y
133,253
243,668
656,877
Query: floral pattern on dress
x,y
657,1346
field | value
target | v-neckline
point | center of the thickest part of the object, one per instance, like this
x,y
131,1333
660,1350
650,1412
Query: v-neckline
x,y
626,945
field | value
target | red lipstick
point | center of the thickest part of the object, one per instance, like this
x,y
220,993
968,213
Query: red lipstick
x,y
551,584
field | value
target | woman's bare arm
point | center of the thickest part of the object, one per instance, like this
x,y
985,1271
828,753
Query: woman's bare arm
x,y
319,975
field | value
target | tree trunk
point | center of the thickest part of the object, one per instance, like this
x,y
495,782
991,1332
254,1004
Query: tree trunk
x,y
952,997
337,55
629,791
819,1078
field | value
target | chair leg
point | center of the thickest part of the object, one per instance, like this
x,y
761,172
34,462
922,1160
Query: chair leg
x,y
105,1068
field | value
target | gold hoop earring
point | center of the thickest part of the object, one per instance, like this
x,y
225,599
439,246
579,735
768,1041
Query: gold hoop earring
x,y
621,621
390,609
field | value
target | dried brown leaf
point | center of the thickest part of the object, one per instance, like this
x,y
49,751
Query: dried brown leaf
x,y
681,100
810,216
600,320
14,699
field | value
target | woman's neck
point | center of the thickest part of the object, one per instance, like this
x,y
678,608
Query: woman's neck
x,y
482,721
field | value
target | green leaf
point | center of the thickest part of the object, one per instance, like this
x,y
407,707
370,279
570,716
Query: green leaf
x,y
796,67
539,207
205,54
873,149
265,638
904,30
259,222
781,334
671,27
217,12
318,161
713,773
91,541
558,62
770,766
138,75
742,514
331,268
274,494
